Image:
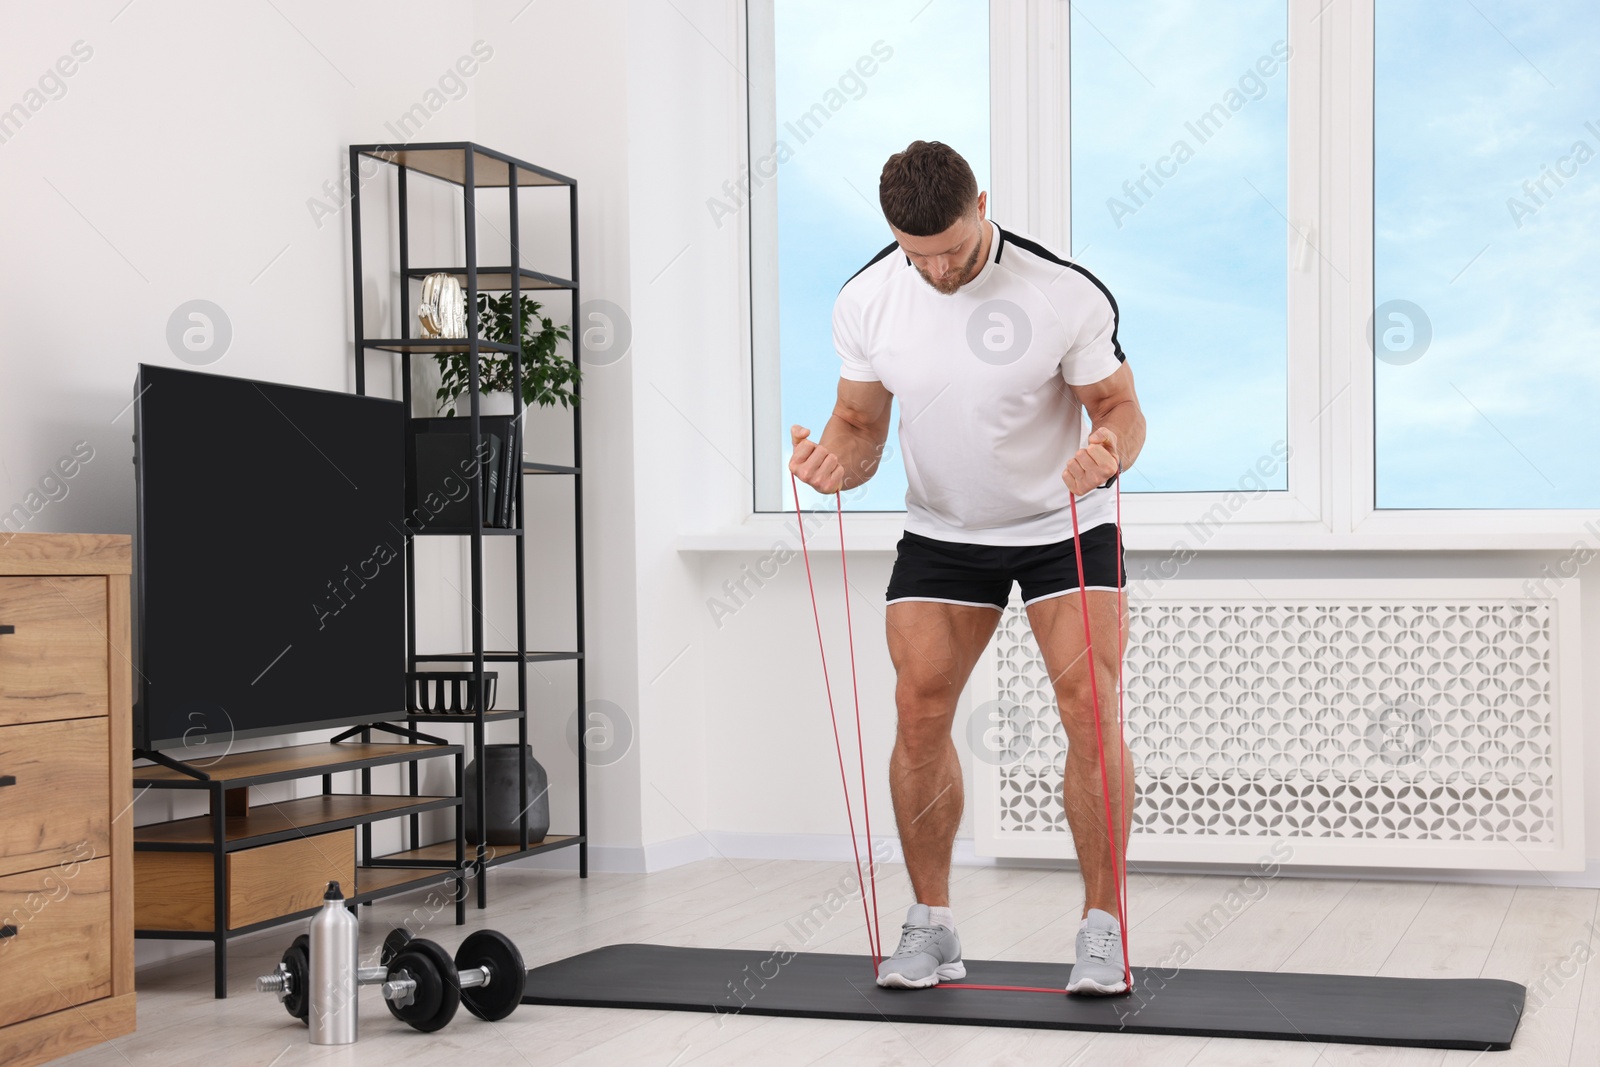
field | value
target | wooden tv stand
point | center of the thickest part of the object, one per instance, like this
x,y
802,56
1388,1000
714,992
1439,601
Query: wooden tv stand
x,y
242,867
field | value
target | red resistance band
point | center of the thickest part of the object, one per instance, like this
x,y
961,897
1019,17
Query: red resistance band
x,y
873,940
1118,864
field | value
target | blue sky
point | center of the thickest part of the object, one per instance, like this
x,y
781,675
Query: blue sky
x,y
1471,102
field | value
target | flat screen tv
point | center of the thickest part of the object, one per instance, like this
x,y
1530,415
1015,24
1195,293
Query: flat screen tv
x,y
269,559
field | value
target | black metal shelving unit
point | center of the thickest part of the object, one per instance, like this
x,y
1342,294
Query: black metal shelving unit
x,y
472,167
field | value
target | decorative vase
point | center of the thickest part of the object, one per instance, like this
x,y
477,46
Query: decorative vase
x,y
442,311
502,797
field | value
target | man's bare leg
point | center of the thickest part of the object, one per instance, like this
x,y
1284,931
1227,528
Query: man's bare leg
x,y
934,647
1058,628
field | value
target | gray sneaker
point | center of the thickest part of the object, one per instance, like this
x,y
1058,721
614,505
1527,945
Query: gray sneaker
x,y
928,953
1098,971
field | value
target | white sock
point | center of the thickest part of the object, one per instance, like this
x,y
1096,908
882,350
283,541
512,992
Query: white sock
x,y
942,917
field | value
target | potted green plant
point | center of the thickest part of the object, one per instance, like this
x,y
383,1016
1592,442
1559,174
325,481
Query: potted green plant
x,y
546,376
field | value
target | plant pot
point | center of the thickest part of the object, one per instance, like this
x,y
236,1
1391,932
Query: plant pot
x,y
503,798
488,404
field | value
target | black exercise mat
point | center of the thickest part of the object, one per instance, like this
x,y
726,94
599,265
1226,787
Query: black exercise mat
x,y
1464,1013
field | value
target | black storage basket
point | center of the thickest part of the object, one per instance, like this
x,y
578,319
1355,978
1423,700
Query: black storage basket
x,y
448,692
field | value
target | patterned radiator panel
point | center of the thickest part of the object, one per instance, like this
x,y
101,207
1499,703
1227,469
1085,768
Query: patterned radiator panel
x,y
1305,718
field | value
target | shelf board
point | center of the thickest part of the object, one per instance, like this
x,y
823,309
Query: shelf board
x,y
499,657
530,467
467,531
374,882
296,761
447,160
498,279
444,852
269,822
465,717
431,345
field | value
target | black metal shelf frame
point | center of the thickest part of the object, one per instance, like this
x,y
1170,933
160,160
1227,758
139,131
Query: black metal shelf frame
x,y
472,167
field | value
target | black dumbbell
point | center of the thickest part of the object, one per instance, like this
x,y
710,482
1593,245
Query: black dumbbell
x,y
426,987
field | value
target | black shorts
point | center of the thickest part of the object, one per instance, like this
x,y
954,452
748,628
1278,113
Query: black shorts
x,y
953,572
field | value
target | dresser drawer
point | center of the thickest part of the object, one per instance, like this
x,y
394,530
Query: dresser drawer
x,y
172,890
53,664
57,952
55,802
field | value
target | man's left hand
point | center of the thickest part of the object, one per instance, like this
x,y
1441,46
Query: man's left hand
x,y
1094,464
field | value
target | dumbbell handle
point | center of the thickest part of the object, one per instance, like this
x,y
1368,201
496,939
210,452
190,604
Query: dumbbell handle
x,y
278,981
402,989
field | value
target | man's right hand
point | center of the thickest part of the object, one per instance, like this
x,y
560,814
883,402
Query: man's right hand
x,y
813,464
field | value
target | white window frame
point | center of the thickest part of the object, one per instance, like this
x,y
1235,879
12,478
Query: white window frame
x,y
1330,418
1030,146
760,225
1507,528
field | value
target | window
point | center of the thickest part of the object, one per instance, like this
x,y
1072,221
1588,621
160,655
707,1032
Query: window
x,y
1349,241
1179,179
851,84
1486,200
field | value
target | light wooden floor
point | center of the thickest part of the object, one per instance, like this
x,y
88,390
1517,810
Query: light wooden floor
x,y
1367,927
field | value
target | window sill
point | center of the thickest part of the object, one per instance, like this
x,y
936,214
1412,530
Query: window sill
x,y
879,532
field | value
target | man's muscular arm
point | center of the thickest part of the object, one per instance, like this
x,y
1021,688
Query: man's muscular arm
x,y
852,442
1118,434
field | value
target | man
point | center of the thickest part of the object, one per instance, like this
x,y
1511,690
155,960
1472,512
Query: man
x,y
995,347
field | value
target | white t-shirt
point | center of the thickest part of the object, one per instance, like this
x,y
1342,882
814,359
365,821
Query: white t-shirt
x,y
987,423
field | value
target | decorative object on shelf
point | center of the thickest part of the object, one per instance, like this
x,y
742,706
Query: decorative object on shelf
x,y
443,310
439,460
547,377
503,801
449,691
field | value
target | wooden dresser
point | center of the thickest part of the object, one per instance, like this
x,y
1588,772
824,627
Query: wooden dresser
x,y
66,846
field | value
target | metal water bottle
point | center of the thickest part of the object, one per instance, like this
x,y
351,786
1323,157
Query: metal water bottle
x,y
335,947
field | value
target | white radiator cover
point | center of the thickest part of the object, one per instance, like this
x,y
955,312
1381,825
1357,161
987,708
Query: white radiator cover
x,y
1417,723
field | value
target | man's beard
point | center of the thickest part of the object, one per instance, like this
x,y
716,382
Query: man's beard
x,y
961,277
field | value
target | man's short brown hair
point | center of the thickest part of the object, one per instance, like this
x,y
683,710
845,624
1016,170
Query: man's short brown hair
x,y
926,188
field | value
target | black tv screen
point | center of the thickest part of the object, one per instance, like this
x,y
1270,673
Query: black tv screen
x,y
269,559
